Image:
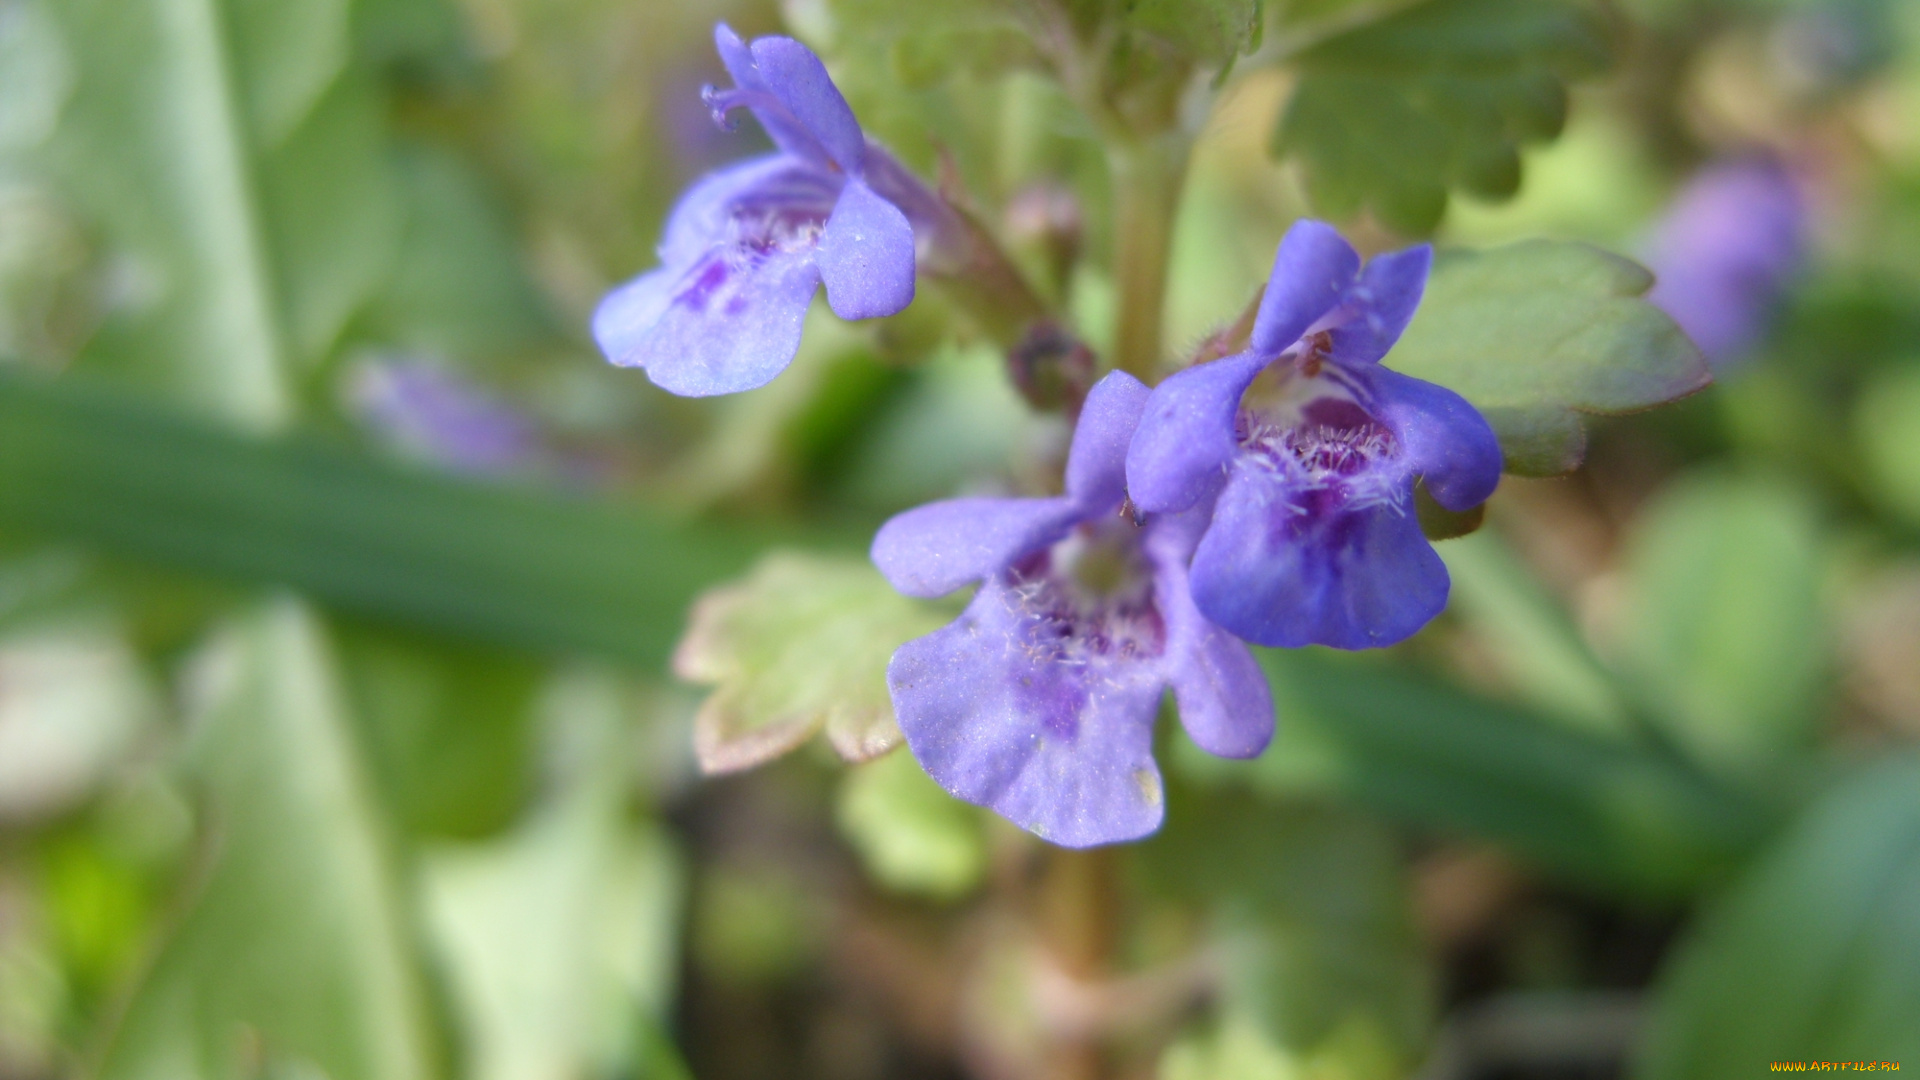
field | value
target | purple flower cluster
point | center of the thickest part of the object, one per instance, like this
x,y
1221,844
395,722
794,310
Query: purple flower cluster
x,y
1263,497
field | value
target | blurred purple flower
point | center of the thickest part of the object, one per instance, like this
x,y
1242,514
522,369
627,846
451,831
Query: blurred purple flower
x,y
434,414
1039,701
1725,251
746,248
1308,449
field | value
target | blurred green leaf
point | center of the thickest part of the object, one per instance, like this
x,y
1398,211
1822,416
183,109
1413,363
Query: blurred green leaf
x,y
1536,333
1615,815
1309,908
447,727
295,952
1389,116
912,836
1814,955
922,44
1531,636
560,939
457,286
1235,1049
499,564
1887,427
1725,630
1212,31
236,161
801,644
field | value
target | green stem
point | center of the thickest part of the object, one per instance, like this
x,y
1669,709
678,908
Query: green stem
x,y
1147,176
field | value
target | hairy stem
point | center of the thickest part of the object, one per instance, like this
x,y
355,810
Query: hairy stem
x,y
1147,176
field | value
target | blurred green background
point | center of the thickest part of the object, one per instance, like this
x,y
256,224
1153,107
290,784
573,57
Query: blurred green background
x,y
339,576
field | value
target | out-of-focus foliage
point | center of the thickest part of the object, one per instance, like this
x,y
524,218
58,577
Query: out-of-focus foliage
x,y
1811,955
295,953
1311,926
913,836
1726,633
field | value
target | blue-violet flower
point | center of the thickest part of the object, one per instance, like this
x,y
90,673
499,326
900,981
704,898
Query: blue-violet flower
x,y
1724,253
746,248
1039,701
1309,449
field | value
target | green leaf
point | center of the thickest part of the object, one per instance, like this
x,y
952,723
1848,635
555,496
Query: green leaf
x,y
1236,1049
1308,905
1390,116
295,952
1212,31
1608,813
912,836
560,939
1533,640
1814,955
235,161
546,572
1725,630
1537,333
446,726
923,44
1887,427
458,286
801,644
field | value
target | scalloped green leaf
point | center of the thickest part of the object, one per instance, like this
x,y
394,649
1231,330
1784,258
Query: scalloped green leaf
x,y
800,644
1537,334
1440,97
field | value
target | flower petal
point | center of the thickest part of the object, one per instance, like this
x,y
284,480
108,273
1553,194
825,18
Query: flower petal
x,y
786,131
797,77
704,215
1225,702
866,255
1381,303
1444,438
1097,461
626,315
934,549
732,323
1279,570
1186,435
1313,267
1063,750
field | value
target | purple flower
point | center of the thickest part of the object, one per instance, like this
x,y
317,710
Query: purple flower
x,y
1039,701
436,415
746,248
1309,449
1724,253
